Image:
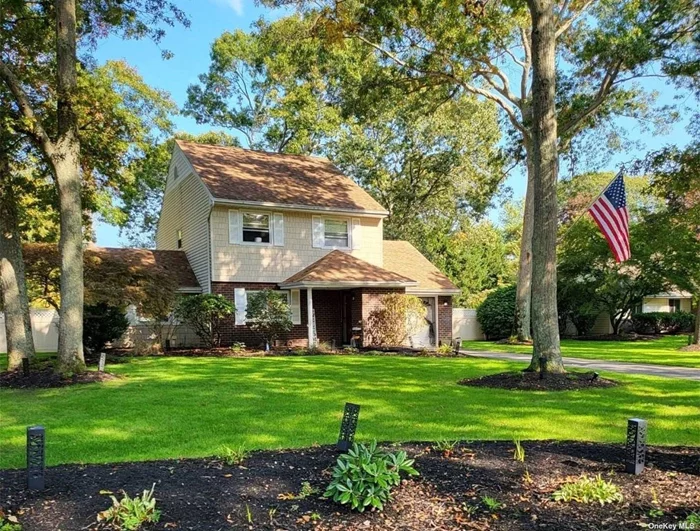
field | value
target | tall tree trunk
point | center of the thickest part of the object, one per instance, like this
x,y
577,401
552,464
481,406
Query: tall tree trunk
x,y
545,324
66,164
18,327
696,331
523,294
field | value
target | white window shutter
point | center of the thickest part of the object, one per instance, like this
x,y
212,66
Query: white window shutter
x,y
318,231
278,229
356,233
295,306
235,227
240,300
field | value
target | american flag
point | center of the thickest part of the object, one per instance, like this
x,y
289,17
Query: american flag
x,y
610,213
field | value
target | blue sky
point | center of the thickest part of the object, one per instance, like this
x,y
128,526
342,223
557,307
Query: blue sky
x,y
210,18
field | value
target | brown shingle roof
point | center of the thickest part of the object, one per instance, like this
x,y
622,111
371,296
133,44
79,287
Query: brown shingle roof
x,y
404,259
173,262
338,267
238,174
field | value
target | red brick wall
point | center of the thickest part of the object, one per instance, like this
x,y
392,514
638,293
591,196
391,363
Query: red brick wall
x,y
445,319
297,336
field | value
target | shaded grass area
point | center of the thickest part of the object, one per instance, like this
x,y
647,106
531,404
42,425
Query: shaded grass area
x,y
663,351
190,407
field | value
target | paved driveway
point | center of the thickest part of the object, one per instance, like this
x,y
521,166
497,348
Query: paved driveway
x,y
601,365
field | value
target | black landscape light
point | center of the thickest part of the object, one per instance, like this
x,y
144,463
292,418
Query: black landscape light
x,y
348,426
36,460
635,452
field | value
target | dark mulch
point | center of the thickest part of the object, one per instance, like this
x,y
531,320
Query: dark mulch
x,y
204,494
690,348
42,377
531,381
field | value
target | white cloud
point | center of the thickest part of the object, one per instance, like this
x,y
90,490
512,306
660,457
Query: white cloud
x,y
236,5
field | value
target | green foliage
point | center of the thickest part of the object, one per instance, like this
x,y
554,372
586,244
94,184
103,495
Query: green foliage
x,y
365,476
518,451
233,456
663,322
392,323
7,525
492,504
588,490
693,518
102,324
496,315
577,302
130,514
205,313
237,346
445,445
445,348
268,314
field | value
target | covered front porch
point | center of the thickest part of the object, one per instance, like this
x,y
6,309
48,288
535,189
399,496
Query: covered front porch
x,y
340,291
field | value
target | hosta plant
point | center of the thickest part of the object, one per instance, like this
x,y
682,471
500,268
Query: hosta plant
x,y
589,490
129,513
365,475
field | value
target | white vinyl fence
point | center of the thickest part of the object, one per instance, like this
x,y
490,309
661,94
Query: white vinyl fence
x,y
465,325
45,332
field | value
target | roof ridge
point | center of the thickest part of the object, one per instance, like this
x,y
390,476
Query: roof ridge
x,y
261,151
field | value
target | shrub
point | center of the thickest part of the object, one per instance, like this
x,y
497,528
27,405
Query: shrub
x,y
131,513
662,322
9,523
398,318
205,314
445,348
496,315
102,324
365,476
587,490
269,314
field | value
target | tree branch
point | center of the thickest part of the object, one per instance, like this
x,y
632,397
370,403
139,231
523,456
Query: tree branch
x,y
566,23
36,130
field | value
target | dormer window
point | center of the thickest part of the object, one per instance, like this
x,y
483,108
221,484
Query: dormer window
x,y
256,228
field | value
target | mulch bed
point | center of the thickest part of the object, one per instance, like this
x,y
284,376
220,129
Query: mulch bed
x,y
530,381
205,494
690,348
44,377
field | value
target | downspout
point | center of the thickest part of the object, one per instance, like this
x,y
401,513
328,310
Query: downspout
x,y
211,245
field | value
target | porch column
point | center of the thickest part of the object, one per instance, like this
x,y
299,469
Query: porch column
x,y
310,317
436,316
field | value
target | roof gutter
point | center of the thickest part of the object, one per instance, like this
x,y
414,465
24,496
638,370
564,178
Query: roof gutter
x,y
302,208
346,284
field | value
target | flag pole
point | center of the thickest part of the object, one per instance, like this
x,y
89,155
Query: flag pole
x,y
578,218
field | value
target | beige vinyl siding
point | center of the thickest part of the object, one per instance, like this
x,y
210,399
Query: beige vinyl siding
x,y
186,206
257,263
660,304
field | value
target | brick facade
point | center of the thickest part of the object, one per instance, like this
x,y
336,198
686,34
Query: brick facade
x,y
333,309
444,320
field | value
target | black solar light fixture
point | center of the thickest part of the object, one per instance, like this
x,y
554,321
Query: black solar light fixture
x,y
101,364
636,450
348,426
36,458
458,345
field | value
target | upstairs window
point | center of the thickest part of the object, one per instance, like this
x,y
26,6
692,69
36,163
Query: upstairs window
x,y
335,233
256,228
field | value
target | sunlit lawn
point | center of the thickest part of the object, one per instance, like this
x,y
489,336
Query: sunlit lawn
x,y
177,407
662,351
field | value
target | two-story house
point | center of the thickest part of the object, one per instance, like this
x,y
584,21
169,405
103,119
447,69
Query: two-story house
x,y
249,220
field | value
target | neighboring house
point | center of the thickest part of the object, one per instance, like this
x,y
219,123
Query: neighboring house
x,y
250,220
671,301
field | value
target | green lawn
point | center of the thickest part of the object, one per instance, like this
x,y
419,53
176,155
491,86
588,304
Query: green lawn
x,y
662,351
187,407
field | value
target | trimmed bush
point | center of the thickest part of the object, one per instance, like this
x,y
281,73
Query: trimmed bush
x,y
205,313
102,324
269,315
496,315
663,322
